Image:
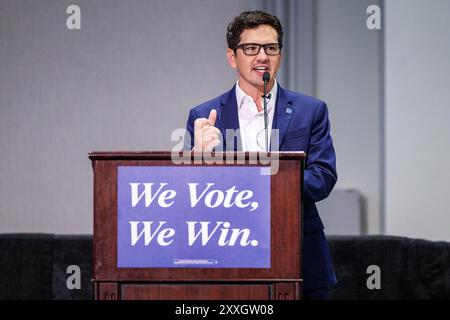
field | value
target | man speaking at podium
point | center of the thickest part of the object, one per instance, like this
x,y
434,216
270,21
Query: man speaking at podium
x,y
255,105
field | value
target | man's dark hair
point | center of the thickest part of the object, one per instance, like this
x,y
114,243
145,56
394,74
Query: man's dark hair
x,y
251,20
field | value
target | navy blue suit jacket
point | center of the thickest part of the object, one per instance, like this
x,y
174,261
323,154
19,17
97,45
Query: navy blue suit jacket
x,y
303,126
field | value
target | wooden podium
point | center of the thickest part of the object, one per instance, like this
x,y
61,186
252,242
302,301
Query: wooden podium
x,y
283,280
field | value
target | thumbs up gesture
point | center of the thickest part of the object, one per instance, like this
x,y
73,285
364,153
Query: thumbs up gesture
x,y
206,136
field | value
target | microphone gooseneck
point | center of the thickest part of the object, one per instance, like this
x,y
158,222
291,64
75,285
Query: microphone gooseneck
x,y
266,78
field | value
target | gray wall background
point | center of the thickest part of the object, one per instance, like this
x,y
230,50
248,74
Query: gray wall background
x,y
417,118
129,76
122,82
348,77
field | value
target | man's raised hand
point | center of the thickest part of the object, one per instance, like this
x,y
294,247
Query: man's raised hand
x,y
206,136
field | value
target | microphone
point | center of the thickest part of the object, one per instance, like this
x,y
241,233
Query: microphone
x,y
266,78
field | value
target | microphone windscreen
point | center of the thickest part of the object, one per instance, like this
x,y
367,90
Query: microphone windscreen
x,y
266,76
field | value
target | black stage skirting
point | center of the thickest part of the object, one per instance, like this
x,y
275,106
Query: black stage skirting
x,y
33,266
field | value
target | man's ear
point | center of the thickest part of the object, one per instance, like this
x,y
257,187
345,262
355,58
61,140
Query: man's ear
x,y
231,57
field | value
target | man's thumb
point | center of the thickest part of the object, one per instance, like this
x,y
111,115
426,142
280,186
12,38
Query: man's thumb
x,y
212,117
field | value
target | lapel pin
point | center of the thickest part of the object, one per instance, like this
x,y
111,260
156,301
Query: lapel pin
x,y
288,110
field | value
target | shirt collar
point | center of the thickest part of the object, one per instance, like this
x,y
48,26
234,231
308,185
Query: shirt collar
x,y
241,96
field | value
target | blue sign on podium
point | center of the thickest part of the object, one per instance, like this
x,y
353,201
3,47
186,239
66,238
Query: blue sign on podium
x,y
193,217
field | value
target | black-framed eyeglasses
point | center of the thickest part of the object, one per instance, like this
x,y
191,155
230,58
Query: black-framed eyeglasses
x,y
252,49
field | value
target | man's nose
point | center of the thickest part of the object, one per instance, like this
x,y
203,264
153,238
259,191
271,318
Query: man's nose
x,y
262,56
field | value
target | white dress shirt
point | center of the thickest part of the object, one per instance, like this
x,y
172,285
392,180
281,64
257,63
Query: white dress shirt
x,y
251,122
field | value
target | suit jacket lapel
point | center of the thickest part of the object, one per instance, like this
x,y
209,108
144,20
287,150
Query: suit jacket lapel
x,y
229,118
284,112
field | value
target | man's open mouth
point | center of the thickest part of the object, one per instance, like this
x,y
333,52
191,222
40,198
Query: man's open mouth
x,y
261,69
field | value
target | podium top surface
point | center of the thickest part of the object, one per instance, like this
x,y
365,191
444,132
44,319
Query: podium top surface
x,y
167,155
